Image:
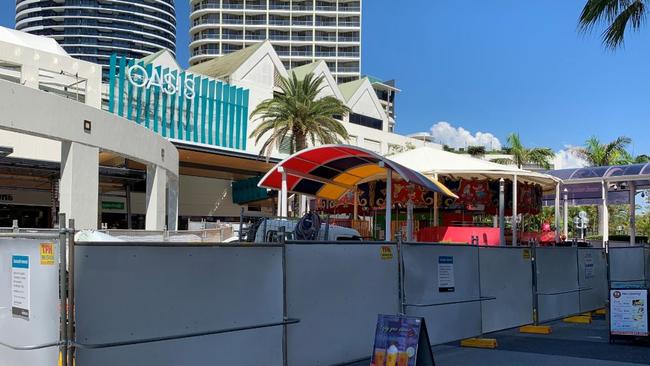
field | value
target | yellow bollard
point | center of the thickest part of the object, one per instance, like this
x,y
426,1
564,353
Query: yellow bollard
x,y
490,343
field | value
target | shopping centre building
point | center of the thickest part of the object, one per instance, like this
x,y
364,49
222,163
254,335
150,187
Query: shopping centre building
x,y
153,145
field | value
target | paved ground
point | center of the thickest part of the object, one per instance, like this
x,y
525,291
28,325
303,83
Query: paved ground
x,y
569,344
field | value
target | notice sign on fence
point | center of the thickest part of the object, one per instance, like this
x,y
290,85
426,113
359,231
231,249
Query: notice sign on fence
x,y
47,254
401,341
629,312
20,286
446,274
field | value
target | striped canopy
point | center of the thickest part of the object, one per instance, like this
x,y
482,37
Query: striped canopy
x,y
330,171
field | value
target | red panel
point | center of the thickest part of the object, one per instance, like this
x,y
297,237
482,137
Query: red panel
x,y
355,152
463,235
322,155
299,165
273,180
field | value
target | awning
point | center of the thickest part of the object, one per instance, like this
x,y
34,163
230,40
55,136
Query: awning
x,y
430,161
332,170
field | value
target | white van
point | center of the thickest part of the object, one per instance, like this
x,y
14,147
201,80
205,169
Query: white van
x,y
268,229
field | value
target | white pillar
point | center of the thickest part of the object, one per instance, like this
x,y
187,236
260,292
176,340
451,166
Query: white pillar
x,y
632,188
409,220
283,193
436,205
604,214
79,187
389,202
172,203
566,214
514,210
29,77
557,213
502,212
156,198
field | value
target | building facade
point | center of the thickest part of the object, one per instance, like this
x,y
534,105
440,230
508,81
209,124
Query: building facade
x,y
156,128
301,31
92,30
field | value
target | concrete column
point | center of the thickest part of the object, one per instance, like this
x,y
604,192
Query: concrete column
x,y
172,203
156,198
632,188
79,187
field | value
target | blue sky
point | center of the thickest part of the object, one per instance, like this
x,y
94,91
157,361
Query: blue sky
x,y
497,67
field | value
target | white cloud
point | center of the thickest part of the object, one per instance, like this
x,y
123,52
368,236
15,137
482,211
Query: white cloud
x,y
456,137
566,159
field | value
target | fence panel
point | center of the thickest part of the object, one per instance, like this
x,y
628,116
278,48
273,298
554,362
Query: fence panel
x,y
592,271
557,282
133,292
337,290
29,271
647,265
506,274
627,266
450,303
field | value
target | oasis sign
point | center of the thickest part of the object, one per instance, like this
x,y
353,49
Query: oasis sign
x,y
169,83
178,104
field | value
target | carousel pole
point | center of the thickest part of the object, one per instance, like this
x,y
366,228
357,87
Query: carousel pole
x,y
283,192
514,210
355,215
557,212
436,209
502,212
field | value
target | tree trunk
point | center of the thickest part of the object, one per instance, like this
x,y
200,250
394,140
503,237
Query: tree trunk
x,y
300,139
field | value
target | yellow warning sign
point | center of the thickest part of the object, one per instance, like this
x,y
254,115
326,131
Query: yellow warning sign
x,y
47,254
526,254
386,252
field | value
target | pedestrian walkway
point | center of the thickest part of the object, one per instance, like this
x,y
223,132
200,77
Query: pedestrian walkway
x,y
569,344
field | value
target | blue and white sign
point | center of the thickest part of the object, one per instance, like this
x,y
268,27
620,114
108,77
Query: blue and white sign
x,y
446,281
179,104
20,301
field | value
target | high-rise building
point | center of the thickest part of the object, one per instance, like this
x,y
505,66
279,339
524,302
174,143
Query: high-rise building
x,y
94,29
301,31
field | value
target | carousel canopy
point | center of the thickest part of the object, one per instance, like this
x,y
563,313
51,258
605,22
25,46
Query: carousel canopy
x,y
430,161
330,171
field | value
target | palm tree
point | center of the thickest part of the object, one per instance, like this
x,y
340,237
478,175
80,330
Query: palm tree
x,y
599,154
296,116
521,155
617,15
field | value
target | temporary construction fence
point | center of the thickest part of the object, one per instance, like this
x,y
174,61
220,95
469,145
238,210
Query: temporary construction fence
x,y
293,303
629,266
33,291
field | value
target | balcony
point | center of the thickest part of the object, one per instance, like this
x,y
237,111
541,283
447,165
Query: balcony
x,y
255,6
232,21
325,7
233,6
355,9
348,39
348,69
200,36
206,5
348,54
325,53
326,23
302,38
279,37
276,6
298,53
255,37
237,36
256,21
283,22
307,23
283,53
331,38
302,8
349,24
